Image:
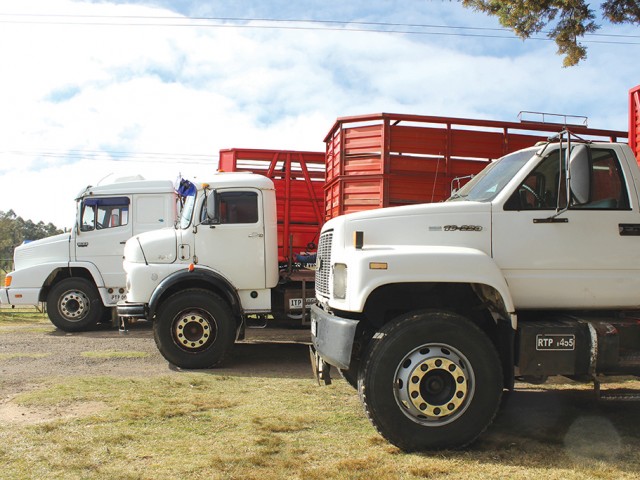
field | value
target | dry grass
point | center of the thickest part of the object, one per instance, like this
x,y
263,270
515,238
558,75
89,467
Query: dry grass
x,y
214,425
203,425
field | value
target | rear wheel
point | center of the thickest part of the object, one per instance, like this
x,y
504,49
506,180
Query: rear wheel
x,y
431,380
74,305
194,329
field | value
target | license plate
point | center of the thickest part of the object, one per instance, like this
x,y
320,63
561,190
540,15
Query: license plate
x,y
557,342
296,303
314,327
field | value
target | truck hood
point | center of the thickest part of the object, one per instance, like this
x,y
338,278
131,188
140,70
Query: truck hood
x,y
155,246
459,223
45,250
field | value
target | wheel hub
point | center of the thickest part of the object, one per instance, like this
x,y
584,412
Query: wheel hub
x,y
433,384
74,305
193,331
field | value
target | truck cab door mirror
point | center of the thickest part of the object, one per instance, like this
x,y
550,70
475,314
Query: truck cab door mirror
x,y
211,216
580,174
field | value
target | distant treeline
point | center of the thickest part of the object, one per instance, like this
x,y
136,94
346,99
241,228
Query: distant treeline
x,y
14,230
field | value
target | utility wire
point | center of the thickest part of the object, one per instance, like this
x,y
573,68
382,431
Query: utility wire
x,y
119,156
325,25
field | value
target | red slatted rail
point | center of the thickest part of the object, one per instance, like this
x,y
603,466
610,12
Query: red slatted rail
x,y
299,180
384,160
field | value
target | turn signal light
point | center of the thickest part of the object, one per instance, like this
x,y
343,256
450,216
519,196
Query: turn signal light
x,y
378,265
7,281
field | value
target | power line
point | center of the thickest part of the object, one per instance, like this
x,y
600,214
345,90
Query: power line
x,y
277,24
118,156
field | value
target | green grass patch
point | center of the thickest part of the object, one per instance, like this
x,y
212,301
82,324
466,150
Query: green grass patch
x,y
208,426
9,356
109,354
11,317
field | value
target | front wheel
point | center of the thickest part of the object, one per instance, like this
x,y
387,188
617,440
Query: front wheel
x,y
74,305
431,380
194,329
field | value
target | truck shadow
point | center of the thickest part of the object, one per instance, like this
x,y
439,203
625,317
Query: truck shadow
x,y
549,428
269,359
106,330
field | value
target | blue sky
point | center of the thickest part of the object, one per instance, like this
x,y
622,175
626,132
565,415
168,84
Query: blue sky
x,y
81,102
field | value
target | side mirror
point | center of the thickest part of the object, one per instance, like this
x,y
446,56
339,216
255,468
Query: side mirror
x,y
211,208
580,174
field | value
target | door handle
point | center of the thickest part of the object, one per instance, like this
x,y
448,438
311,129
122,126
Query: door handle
x,y
551,220
256,234
629,229
82,244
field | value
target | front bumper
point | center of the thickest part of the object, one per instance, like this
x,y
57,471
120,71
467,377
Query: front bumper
x,y
332,337
20,296
132,310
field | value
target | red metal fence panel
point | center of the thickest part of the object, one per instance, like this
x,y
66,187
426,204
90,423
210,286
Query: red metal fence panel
x,y
299,182
383,160
634,121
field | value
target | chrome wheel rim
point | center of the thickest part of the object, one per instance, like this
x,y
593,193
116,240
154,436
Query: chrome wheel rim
x,y
74,305
194,330
434,384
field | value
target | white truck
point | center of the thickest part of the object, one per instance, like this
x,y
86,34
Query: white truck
x,y
79,275
532,269
204,281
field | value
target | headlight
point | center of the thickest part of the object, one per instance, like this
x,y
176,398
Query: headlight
x,y
340,280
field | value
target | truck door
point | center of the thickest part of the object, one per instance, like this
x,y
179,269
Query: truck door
x,y
151,212
104,228
233,243
588,256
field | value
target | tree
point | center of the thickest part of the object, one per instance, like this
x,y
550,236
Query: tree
x,y
14,230
569,20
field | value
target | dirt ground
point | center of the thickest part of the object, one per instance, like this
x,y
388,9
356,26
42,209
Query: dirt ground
x,y
32,353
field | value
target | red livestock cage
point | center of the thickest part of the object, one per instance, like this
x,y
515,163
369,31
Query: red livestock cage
x,y
384,160
299,182
634,121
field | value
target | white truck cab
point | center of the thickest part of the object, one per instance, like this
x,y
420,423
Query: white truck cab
x,y
531,269
205,281
79,275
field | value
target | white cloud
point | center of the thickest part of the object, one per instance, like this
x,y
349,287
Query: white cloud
x,y
195,90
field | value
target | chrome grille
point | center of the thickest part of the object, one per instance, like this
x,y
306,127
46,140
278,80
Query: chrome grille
x,y
323,263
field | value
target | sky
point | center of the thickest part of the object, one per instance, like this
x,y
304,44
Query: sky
x,y
94,90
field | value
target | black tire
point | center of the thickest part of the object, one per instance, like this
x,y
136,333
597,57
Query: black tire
x,y
350,376
431,381
194,329
74,305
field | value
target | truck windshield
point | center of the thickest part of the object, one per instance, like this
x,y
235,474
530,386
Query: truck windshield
x,y
187,210
485,186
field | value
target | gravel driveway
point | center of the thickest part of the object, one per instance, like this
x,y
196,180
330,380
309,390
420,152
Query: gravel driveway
x,y
32,353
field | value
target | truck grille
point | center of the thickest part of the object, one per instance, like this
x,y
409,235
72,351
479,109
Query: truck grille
x,y
323,263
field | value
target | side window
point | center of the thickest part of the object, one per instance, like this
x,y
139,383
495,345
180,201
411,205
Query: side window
x,y
543,187
238,207
99,213
608,190
88,218
112,216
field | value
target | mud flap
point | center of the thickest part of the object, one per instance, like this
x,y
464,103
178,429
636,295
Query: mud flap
x,y
321,369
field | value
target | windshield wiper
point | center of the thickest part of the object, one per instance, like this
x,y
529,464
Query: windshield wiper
x,y
456,196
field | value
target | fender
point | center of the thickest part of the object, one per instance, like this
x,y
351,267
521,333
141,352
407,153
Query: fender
x,y
36,276
199,276
92,269
366,271
31,281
